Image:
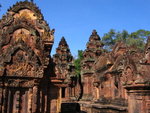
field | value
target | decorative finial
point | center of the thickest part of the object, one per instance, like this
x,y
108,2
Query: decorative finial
x,y
94,36
94,32
63,42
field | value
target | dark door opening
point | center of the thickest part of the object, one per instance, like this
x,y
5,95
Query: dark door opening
x,y
63,92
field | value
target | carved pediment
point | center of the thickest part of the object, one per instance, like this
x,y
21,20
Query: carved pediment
x,y
128,75
22,64
20,60
25,41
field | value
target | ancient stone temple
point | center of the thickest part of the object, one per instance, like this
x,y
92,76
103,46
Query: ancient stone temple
x,y
64,70
92,52
137,81
120,81
25,44
63,77
62,59
31,81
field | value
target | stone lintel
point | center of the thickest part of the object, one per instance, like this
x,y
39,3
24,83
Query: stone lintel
x,y
138,87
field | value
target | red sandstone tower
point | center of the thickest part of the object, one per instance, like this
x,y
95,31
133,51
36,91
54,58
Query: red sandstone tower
x,y
62,59
25,45
92,52
64,76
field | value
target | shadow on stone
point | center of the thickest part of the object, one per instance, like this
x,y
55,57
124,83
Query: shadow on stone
x,y
70,108
83,112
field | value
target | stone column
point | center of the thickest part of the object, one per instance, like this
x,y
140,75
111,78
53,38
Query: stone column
x,y
45,107
138,98
24,101
40,101
35,97
17,101
59,100
30,92
4,100
97,91
1,95
9,101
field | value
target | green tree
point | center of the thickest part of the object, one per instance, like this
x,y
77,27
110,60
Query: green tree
x,y
122,36
77,62
136,38
109,39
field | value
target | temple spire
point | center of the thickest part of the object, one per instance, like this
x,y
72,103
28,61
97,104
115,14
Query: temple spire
x,y
94,36
63,42
92,52
62,59
94,41
63,54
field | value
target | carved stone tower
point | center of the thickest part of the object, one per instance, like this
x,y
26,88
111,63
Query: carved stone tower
x,y
62,58
92,52
63,71
25,45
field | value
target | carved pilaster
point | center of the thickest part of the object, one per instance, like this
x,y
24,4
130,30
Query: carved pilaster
x,y
45,109
9,101
59,100
17,101
4,100
1,92
30,100
35,96
40,101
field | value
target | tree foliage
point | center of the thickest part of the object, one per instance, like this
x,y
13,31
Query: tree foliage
x,y
136,38
77,62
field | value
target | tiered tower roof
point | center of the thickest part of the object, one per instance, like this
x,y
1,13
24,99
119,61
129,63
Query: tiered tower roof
x,y
92,52
63,54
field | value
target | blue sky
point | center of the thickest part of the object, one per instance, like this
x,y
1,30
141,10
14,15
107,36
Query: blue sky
x,y
75,19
